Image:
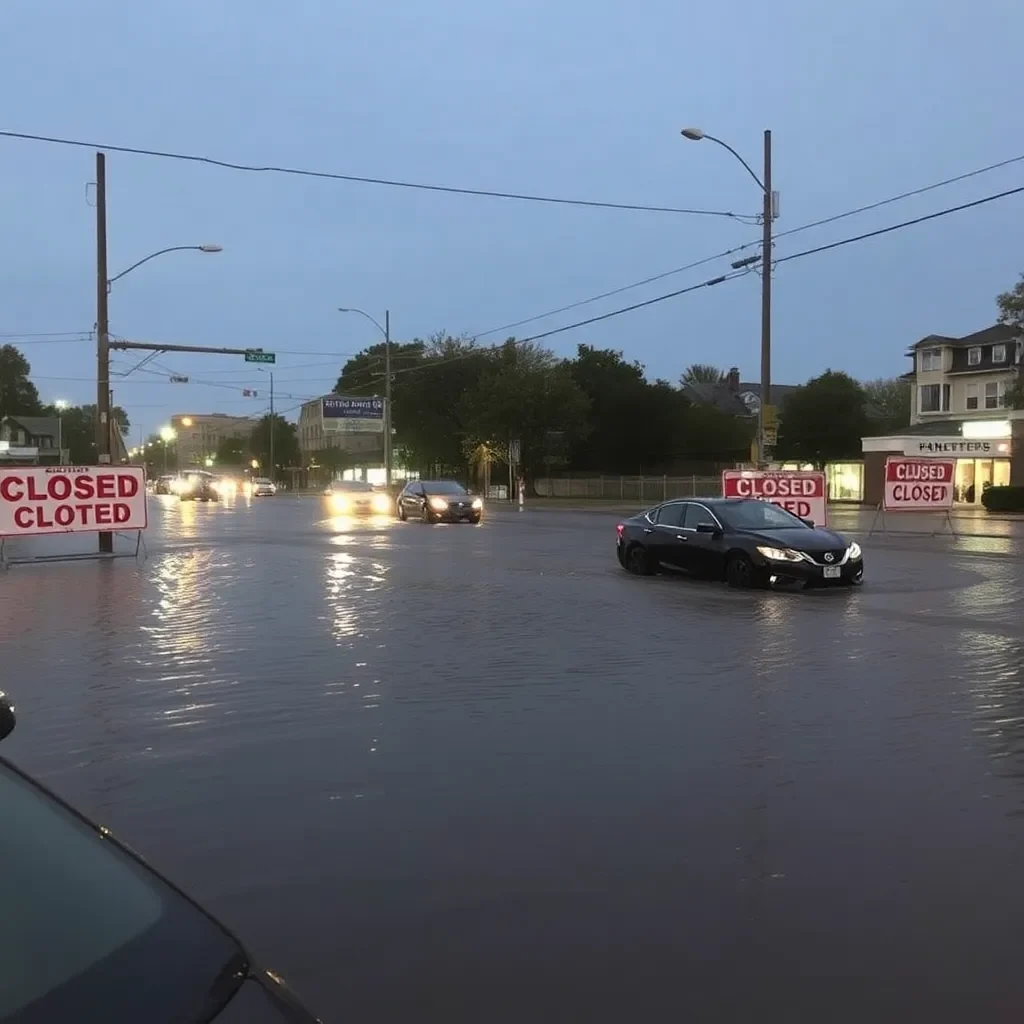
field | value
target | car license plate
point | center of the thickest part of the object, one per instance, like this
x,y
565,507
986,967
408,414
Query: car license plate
x,y
832,572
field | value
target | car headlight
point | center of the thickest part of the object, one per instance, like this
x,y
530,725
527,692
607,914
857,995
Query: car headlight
x,y
381,503
780,554
438,504
478,504
339,502
854,551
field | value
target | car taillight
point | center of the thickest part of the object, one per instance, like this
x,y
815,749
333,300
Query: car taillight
x,y
620,528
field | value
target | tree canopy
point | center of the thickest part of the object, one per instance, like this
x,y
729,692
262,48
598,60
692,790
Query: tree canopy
x,y
286,443
702,373
888,404
1011,305
824,420
18,395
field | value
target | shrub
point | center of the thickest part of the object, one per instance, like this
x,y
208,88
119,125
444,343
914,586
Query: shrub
x,y
1003,499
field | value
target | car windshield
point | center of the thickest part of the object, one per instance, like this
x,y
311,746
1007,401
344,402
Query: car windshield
x,y
443,487
759,515
351,485
87,930
262,480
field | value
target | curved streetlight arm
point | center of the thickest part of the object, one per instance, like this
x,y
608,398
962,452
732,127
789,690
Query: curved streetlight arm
x,y
750,170
160,252
363,313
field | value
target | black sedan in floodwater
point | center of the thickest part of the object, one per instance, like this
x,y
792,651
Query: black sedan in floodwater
x,y
436,501
747,542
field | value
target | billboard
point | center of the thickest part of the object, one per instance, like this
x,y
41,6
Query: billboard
x,y
918,485
803,493
342,414
72,499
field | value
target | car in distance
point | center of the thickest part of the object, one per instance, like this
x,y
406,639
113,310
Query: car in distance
x,y
92,932
197,486
744,541
263,487
356,497
162,485
437,501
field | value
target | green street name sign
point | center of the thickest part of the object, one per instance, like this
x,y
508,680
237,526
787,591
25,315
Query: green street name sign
x,y
257,355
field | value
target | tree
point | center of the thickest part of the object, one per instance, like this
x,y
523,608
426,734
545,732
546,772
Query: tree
x,y
702,373
18,395
824,420
526,393
1011,306
78,429
286,443
234,451
888,403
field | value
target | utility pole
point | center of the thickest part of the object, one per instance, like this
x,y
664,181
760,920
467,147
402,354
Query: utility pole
x,y
766,296
272,426
387,399
106,539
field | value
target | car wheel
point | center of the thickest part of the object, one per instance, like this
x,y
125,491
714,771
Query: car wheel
x,y
474,519
427,517
402,513
638,562
739,572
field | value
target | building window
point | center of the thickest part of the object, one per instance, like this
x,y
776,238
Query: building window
x,y
993,395
974,356
845,481
971,401
998,353
933,398
930,359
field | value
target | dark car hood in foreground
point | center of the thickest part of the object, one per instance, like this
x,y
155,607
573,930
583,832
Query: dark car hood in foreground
x,y
799,539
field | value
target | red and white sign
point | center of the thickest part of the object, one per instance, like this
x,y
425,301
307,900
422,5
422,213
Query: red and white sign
x,y
72,499
916,485
803,493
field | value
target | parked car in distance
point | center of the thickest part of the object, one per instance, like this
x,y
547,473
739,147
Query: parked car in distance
x,y
436,501
91,932
162,484
356,497
745,541
263,487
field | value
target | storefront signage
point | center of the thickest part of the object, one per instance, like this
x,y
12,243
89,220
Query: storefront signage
x,y
944,447
918,484
800,492
72,499
343,414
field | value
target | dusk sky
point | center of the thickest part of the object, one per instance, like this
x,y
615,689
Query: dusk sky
x,y
553,97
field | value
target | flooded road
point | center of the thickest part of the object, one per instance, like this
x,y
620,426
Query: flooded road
x,y
480,774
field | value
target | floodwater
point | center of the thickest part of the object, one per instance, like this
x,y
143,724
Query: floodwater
x,y
480,774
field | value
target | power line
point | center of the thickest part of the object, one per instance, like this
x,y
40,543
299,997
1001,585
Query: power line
x,y
902,224
366,180
755,242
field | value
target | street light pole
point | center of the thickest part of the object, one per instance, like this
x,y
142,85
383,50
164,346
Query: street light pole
x,y
272,426
387,399
106,538
386,331
766,298
768,212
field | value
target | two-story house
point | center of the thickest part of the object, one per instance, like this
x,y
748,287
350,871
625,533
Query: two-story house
x,y
959,409
964,378
29,440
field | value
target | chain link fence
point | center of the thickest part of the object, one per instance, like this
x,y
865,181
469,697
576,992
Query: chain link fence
x,y
629,488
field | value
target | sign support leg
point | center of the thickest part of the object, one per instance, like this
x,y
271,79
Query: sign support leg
x,y
879,511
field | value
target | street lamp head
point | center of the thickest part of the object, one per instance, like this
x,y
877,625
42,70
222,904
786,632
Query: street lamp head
x,y
344,309
168,434
210,247
186,421
61,404
693,134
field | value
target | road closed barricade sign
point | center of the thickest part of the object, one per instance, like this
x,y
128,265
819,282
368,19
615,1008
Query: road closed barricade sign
x,y
804,493
918,485
71,499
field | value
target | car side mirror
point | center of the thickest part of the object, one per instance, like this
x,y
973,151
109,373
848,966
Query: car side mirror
x,y
7,719
707,528
807,522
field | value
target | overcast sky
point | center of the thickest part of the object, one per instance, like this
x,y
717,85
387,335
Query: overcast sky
x,y
557,97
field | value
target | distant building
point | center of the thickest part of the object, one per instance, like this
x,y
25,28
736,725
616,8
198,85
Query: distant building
x,y
201,434
736,397
351,425
29,440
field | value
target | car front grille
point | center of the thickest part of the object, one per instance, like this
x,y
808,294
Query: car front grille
x,y
838,554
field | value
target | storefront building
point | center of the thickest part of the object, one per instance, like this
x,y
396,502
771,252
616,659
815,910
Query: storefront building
x,y
988,453
844,481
